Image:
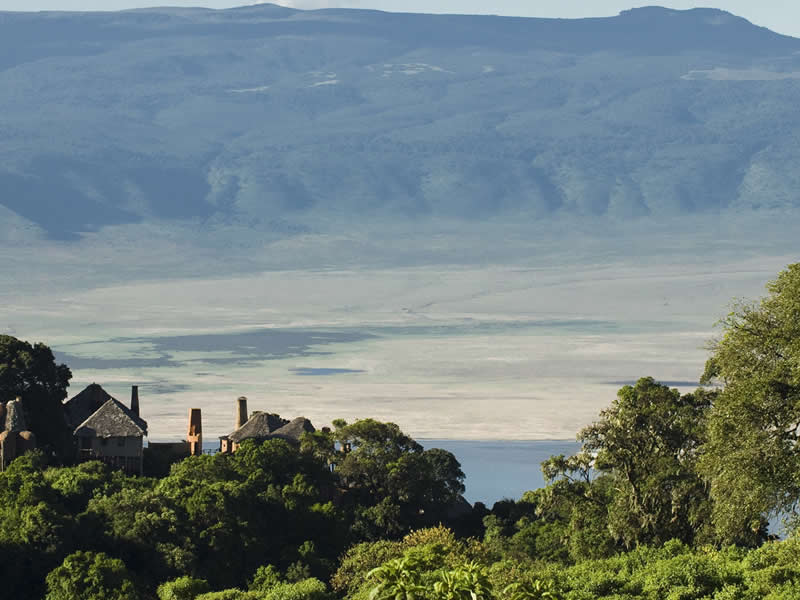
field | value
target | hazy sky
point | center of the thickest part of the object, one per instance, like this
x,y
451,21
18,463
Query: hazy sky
x,y
779,15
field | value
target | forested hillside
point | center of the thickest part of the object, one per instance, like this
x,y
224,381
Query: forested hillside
x,y
268,117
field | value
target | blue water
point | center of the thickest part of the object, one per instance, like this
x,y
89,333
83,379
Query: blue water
x,y
501,469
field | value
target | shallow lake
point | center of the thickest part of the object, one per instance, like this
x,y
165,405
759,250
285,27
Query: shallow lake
x,y
501,469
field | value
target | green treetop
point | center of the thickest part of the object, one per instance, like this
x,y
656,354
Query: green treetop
x,y
635,479
31,372
90,576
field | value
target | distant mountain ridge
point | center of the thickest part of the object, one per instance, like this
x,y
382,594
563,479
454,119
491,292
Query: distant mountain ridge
x,y
264,113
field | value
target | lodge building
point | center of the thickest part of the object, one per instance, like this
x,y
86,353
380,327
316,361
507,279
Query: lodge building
x,y
106,430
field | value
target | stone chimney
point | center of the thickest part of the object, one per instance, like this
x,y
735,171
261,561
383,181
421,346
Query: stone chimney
x,y
241,411
195,436
135,400
15,417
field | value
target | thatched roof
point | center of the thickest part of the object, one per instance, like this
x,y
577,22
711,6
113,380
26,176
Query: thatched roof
x,y
293,430
259,426
113,419
82,406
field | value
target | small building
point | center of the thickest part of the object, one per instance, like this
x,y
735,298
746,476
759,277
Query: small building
x,y
113,434
262,426
15,439
258,427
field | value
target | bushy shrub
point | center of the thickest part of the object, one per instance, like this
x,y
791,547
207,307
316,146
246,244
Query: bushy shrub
x,y
90,576
229,594
265,578
774,568
360,560
308,589
684,577
182,588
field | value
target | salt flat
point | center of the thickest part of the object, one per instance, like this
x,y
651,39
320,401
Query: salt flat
x,y
519,339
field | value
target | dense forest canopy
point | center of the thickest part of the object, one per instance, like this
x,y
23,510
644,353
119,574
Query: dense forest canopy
x,y
669,497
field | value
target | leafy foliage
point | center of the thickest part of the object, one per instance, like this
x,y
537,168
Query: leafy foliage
x,y
752,457
635,480
307,589
264,515
30,372
530,590
397,484
90,576
182,588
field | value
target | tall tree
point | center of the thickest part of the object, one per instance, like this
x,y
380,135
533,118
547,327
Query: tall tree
x,y
31,372
397,483
638,466
752,457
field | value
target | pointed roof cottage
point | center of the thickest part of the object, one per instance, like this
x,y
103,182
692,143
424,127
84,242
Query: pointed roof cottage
x,y
113,434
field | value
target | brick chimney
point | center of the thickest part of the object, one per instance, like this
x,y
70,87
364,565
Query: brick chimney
x,y
241,411
195,436
135,400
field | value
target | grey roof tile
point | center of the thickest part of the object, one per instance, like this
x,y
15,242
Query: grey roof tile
x,y
113,419
293,430
83,405
258,426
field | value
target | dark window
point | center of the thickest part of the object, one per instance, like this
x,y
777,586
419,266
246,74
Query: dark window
x,y
120,441
86,443
104,441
